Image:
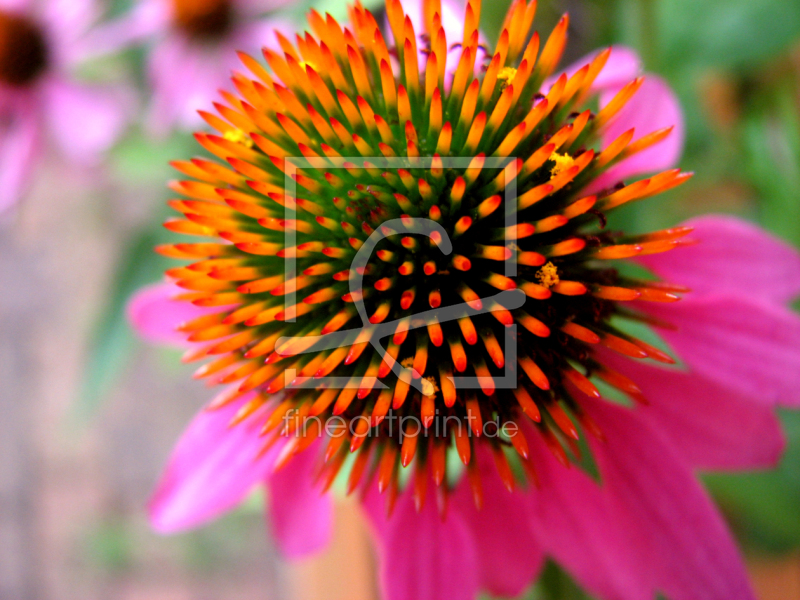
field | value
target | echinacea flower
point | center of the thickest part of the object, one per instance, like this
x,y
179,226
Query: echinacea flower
x,y
461,222
195,49
41,43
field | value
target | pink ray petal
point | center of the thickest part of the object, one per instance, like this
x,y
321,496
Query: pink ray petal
x,y
20,144
86,120
509,556
251,36
16,5
712,426
673,528
622,67
653,107
733,256
66,23
374,505
254,8
300,514
213,467
576,524
155,316
452,18
453,25
422,557
747,345
146,19
178,96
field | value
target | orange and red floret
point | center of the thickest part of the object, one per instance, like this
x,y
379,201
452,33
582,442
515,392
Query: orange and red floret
x,y
337,94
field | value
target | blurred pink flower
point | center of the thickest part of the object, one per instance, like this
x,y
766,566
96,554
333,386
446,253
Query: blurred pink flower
x,y
194,50
40,45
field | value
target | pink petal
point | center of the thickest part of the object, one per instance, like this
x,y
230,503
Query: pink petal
x,y
747,345
576,524
653,107
66,23
622,67
674,530
255,8
86,120
16,5
145,19
452,18
300,513
509,556
205,69
251,36
729,250
421,557
178,96
213,467
19,146
154,315
711,426
374,505
73,16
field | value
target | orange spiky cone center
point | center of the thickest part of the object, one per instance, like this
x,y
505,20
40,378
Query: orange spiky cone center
x,y
349,103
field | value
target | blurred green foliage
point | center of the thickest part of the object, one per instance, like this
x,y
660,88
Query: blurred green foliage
x,y
764,506
136,162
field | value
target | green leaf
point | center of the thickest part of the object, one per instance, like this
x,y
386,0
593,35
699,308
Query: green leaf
x,y
139,159
555,584
109,545
763,506
140,164
771,140
338,9
114,341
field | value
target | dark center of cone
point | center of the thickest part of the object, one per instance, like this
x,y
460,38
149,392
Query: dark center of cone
x,y
23,51
205,19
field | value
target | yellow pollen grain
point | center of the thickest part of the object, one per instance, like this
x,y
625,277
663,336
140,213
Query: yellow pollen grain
x,y
506,75
434,386
237,136
563,162
548,275
429,385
